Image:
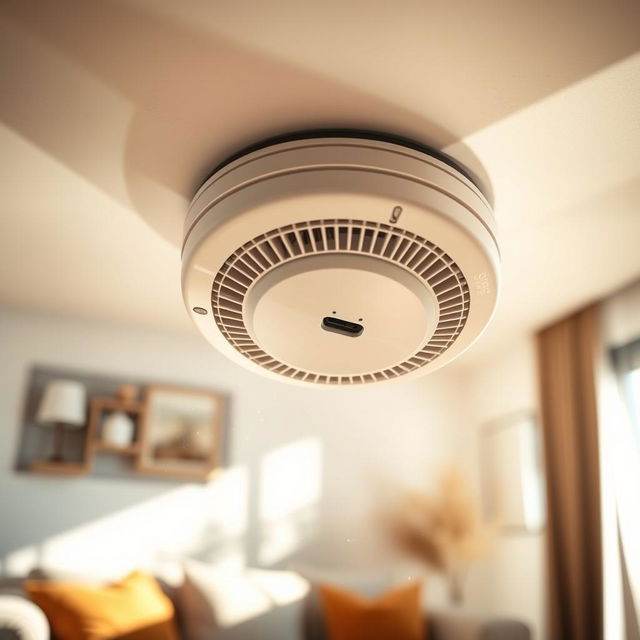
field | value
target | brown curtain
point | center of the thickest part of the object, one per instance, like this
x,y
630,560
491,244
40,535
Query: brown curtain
x,y
568,355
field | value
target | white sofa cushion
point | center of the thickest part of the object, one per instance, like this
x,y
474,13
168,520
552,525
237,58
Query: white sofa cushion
x,y
227,602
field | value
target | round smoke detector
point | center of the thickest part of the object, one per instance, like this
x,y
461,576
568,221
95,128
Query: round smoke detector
x,y
340,259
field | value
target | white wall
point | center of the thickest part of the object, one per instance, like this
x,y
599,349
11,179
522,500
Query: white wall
x,y
511,581
302,472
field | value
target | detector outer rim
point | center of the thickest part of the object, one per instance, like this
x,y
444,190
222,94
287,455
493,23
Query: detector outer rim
x,y
441,215
336,153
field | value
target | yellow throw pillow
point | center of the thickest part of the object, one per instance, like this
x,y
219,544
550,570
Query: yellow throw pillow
x,y
396,615
133,609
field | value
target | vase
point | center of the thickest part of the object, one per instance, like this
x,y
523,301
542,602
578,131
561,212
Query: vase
x,y
118,429
456,593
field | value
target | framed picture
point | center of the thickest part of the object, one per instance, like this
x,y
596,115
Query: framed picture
x,y
512,474
182,432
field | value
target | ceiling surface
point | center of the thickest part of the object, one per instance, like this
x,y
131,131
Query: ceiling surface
x,y
112,113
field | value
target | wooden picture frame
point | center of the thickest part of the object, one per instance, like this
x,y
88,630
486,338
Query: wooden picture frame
x,y
181,432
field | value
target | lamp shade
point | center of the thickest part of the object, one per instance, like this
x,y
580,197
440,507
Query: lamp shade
x,y
63,401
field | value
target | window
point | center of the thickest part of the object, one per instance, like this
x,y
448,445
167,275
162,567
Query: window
x,y
627,363
623,444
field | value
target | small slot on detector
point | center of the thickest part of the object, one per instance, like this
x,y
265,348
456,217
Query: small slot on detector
x,y
344,327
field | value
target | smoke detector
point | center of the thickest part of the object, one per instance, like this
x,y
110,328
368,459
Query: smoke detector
x,y
340,259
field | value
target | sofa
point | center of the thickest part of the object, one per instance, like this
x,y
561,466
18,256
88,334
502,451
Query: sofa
x,y
440,625
21,619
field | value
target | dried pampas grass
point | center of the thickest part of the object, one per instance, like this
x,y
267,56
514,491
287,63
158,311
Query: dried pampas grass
x,y
443,530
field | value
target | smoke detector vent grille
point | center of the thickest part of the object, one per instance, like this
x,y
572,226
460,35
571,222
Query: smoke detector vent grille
x,y
267,251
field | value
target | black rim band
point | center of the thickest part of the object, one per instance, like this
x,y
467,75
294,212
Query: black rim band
x,y
361,134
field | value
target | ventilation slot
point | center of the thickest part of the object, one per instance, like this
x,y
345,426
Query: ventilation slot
x,y
267,251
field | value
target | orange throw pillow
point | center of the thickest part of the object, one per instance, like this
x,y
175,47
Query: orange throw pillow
x,y
396,615
133,609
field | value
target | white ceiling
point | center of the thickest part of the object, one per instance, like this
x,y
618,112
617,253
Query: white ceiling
x,y
113,112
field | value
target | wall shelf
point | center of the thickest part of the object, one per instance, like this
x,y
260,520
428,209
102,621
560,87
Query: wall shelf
x,y
189,448
59,468
105,447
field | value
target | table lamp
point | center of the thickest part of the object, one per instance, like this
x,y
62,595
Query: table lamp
x,y
63,405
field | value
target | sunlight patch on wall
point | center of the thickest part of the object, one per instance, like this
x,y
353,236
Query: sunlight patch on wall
x,y
20,561
225,502
290,488
153,535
